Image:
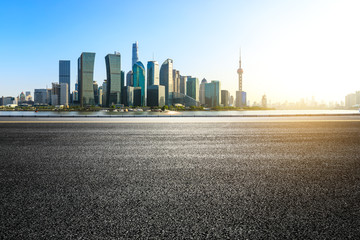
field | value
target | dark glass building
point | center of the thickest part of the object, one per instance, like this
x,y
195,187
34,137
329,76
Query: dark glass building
x,y
192,88
156,96
225,97
114,81
212,94
85,78
64,73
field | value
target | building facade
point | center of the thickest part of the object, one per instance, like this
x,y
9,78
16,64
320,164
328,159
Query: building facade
x,y
64,73
176,80
40,97
85,78
183,80
139,81
156,95
225,98
202,91
152,73
129,79
212,94
114,81
166,78
192,88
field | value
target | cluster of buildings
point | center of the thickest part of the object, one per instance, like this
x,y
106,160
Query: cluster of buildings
x,y
352,100
151,86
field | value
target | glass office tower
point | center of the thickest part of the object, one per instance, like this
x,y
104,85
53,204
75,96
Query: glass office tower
x,y
139,81
114,81
85,78
212,94
152,73
192,88
166,78
64,74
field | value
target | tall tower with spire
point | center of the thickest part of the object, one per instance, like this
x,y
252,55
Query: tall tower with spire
x,y
135,53
240,73
240,94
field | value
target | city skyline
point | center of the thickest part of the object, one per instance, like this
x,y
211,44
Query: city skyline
x,y
307,55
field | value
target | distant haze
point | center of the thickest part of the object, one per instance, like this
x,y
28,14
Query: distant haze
x,y
290,49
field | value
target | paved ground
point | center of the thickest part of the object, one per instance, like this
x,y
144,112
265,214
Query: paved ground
x,y
185,178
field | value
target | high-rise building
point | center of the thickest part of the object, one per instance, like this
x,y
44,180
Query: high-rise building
x,y
350,100
240,100
96,92
202,91
152,73
192,88
176,80
264,101
135,53
64,73
129,79
212,94
114,81
85,78
22,97
104,87
100,95
137,96
183,80
40,97
59,94
139,81
166,78
64,94
128,96
156,95
225,97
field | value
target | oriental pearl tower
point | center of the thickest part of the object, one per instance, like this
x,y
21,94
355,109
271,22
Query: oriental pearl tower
x,y
240,73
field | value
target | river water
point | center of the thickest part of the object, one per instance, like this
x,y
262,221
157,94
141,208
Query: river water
x,y
175,113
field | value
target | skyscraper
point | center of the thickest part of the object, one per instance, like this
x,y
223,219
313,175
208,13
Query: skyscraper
x,y
113,73
152,73
202,91
212,93
183,80
139,81
166,78
192,88
129,79
176,80
225,97
135,53
85,78
64,74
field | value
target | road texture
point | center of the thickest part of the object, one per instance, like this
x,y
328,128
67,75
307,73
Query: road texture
x,y
273,178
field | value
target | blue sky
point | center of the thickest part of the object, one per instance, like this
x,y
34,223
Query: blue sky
x,y
290,49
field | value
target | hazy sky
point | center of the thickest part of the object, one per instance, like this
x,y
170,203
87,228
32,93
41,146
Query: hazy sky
x,y
290,49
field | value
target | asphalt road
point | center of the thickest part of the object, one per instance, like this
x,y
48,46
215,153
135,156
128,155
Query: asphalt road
x,y
275,178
